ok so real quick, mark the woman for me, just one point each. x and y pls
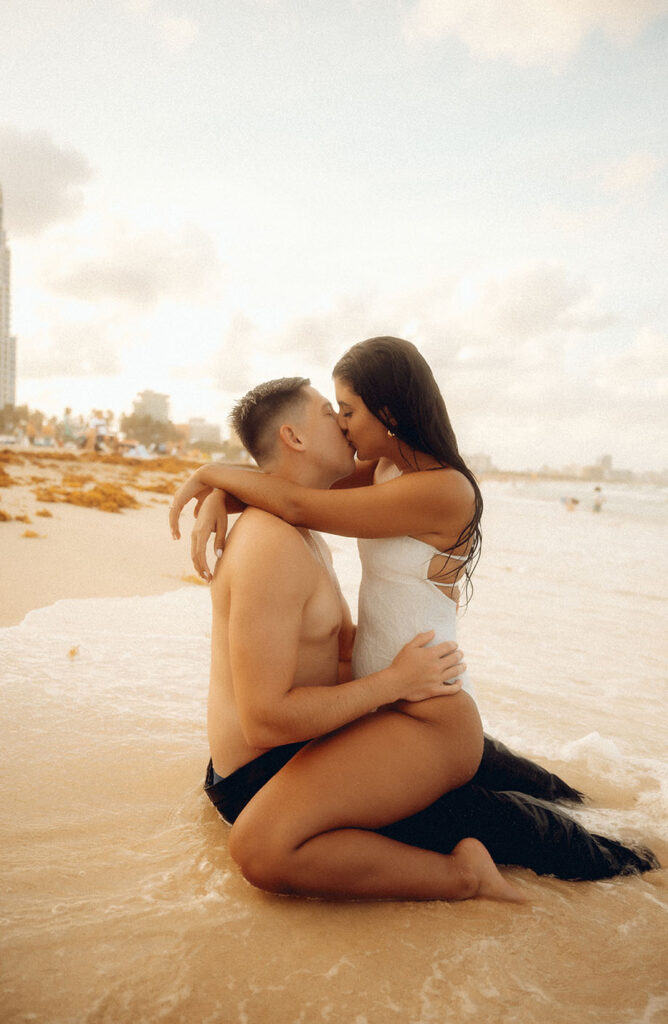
(308, 829)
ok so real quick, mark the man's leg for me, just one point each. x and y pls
(521, 830)
(501, 769)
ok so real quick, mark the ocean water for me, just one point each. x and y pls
(120, 902)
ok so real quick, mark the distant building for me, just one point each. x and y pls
(479, 463)
(601, 470)
(605, 462)
(200, 430)
(7, 342)
(150, 403)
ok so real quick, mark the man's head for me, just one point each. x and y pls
(259, 414)
(289, 427)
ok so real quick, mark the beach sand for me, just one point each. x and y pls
(85, 551)
(120, 901)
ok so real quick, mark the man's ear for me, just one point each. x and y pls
(291, 437)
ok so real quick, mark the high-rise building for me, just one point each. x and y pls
(153, 404)
(7, 342)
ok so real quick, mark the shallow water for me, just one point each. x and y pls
(121, 902)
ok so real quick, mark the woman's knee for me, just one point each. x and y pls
(262, 852)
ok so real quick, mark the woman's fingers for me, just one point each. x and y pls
(454, 671)
(422, 639)
(198, 539)
(445, 648)
(174, 514)
(192, 488)
(219, 543)
(451, 666)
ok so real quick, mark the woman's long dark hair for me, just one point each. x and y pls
(396, 384)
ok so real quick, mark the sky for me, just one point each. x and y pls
(203, 194)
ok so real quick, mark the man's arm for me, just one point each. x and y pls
(272, 576)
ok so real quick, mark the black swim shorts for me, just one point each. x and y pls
(230, 795)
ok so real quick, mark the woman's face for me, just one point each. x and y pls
(362, 429)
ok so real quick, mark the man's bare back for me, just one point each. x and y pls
(304, 561)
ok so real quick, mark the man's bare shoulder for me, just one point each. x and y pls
(254, 523)
(259, 538)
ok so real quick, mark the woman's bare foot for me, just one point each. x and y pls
(473, 856)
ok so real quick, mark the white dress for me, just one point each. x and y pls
(397, 601)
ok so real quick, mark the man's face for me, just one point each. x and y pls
(325, 440)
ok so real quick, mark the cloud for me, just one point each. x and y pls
(308, 345)
(504, 347)
(494, 326)
(41, 181)
(537, 301)
(529, 34)
(522, 357)
(320, 338)
(232, 367)
(517, 318)
(632, 173)
(639, 372)
(175, 33)
(178, 34)
(142, 269)
(137, 6)
(73, 350)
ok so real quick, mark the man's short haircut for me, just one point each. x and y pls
(255, 417)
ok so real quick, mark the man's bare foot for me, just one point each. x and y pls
(473, 856)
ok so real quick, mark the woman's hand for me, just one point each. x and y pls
(194, 487)
(429, 671)
(210, 517)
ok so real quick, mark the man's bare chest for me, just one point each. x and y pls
(323, 614)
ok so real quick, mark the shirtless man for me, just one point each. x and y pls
(280, 674)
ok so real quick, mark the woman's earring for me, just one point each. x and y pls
(390, 434)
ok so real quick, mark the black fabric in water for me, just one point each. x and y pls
(500, 768)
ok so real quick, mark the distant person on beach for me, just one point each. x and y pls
(280, 626)
(599, 498)
(96, 432)
(66, 427)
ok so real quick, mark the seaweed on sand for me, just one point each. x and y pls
(106, 496)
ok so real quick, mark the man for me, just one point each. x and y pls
(281, 638)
